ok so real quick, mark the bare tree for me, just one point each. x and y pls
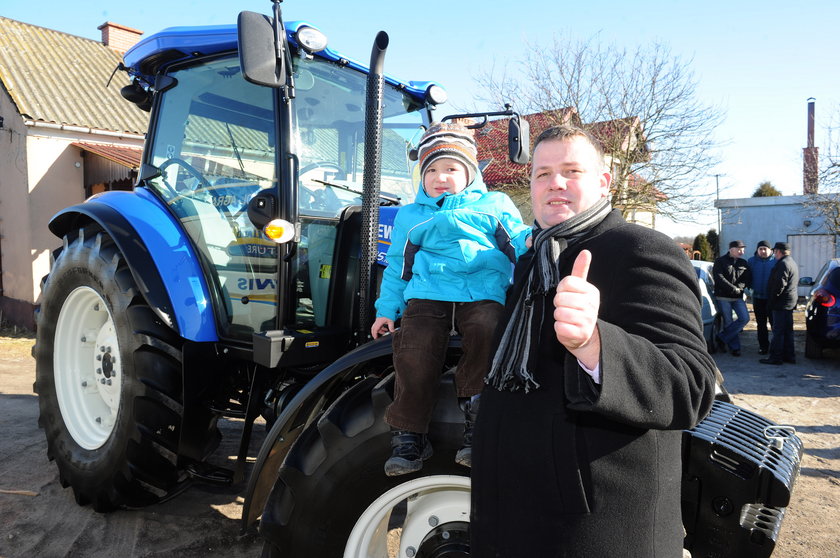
(826, 203)
(663, 150)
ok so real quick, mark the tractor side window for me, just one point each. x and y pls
(328, 136)
(214, 146)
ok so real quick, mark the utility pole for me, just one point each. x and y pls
(717, 200)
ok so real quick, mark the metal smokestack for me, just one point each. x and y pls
(810, 156)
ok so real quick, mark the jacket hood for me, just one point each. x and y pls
(474, 190)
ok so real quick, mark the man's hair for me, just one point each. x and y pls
(565, 132)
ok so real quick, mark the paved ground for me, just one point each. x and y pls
(39, 518)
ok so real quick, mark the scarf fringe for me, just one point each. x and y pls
(512, 366)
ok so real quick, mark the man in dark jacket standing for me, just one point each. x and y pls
(761, 264)
(781, 301)
(601, 364)
(732, 276)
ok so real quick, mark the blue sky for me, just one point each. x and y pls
(758, 60)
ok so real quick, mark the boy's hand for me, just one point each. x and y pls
(381, 326)
(576, 307)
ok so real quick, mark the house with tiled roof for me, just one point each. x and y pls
(66, 133)
(623, 141)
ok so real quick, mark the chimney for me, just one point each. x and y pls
(810, 156)
(119, 37)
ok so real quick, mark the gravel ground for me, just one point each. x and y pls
(40, 518)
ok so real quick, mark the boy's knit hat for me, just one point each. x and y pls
(447, 139)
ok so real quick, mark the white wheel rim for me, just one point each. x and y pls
(87, 368)
(432, 501)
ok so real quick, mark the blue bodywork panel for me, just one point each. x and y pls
(386, 225)
(167, 244)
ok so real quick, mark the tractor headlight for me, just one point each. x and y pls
(436, 95)
(310, 39)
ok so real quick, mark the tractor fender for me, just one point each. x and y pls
(158, 252)
(317, 394)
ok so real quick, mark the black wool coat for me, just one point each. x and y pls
(783, 286)
(573, 469)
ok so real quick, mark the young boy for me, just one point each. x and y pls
(450, 263)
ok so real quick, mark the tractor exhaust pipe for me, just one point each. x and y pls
(371, 181)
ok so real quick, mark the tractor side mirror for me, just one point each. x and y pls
(519, 139)
(260, 55)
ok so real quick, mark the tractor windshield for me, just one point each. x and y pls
(215, 147)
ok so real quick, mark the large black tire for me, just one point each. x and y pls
(335, 472)
(813, 349)
(108, 377)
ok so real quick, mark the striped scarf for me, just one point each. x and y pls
(512, 364)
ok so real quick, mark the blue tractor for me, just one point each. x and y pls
(237, 280)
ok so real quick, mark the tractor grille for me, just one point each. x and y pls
(738, 474)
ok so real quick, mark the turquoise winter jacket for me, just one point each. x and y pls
(454, 248)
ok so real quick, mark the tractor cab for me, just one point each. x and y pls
(228, 156)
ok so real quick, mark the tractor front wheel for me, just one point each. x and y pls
(108, 377)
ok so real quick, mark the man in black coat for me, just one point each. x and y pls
(732, 277)
(601, 364)
(782, 296)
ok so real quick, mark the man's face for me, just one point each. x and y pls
(778, 254)
(567, 178)
(736, 251)
(763, 252)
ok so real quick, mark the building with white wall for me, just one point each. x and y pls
(779, 219)
(65, 132)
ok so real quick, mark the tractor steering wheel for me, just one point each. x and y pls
(191, 170)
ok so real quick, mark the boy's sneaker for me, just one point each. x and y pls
(464, 455)
(410, 449)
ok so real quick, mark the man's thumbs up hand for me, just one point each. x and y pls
(576, 307)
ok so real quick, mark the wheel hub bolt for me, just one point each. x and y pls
(445, 535)
(99, 371)
(102, 381)
(96, 307)
(84, 384)
(99, 420)
(84, 339)
(410, 552)
(433, 521)
(98, 357)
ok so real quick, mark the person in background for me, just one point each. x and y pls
(732, 277)
(450, 264)
(600, 366)
(781, 301)
(761, 264)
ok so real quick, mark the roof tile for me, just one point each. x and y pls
(60, 78)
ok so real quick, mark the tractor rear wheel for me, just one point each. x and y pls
(332, 497)
(108, 377)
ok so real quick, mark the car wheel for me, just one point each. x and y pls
(813, 349)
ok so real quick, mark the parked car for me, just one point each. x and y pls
(711, 322)
(822, 313)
